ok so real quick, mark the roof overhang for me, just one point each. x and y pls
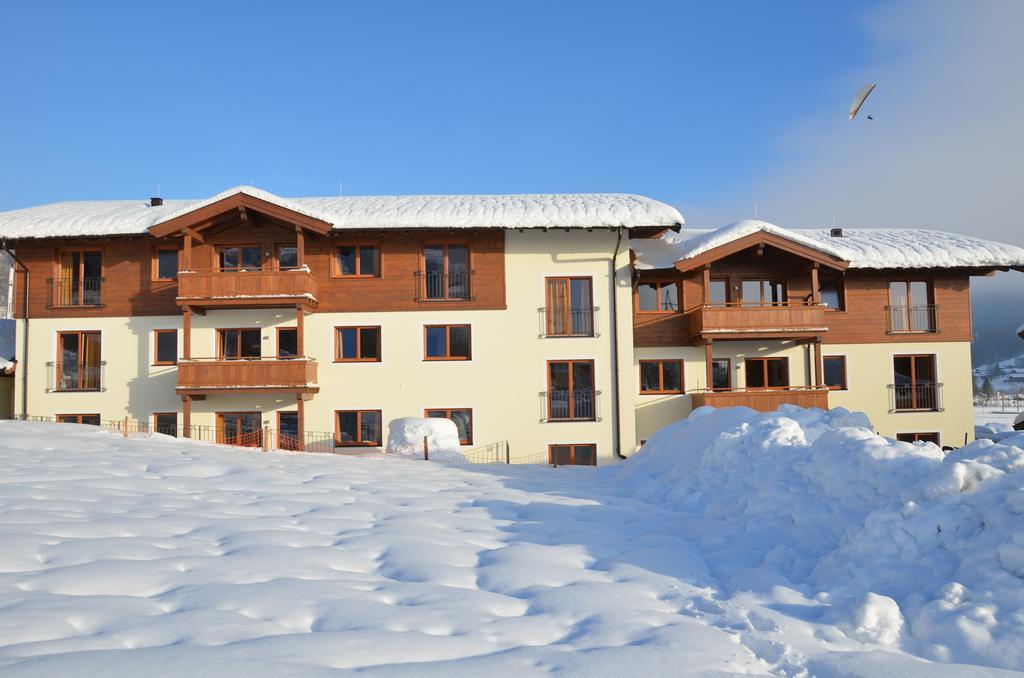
(762, 239)
(203, 217)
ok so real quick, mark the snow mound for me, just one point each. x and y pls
(405, 438)
(877, 530)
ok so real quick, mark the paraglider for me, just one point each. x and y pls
(858, 100)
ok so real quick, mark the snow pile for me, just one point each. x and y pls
(876, 530)
(6, 364)
(405, 438)
(861, 247)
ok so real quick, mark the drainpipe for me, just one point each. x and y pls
(23, 363)
(615, 351)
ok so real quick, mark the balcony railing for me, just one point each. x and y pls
(782, 319)
(762, 400)
(245, 288)
(576, 405)
(75, 292)
(444, 285)
(75, 376)
(215, 375)
(906, 319)
(568, 322)
(915, 397)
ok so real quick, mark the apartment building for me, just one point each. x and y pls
(570, 326)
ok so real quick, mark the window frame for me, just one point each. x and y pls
(728, 372)
(239, 246)
(422, 293)
(277, 255)
(448, 343)
(297, 445)
(917, 437)
(338, 344)
(59, 361)
(728, 292)
(571, 362)
(60, 418)
(220, 344)
(661, 376)
(448, 411)
(277, 352)
(336, 264)
(782, 282)
(572, 453)
(359, 425)
(221, 429)
(81, 251)
(156, 422)
(765, 360)
(155, 271)
(660, 284)
(548, 315)
(156, 347)
(840, 285)
(914, 383)
(845, 386)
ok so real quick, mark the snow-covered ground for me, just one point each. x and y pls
(735, 543)
(992, 414)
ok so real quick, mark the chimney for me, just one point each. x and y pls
(156, 202)
(836, 233)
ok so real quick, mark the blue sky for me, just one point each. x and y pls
(686, 102)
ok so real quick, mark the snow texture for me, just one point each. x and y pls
(126, 217)
(6, 364)
(796, 543)
(405, 437)
(861, 247)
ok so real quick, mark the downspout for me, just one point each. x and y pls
(23, 363)
(615, 351)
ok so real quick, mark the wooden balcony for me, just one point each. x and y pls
(763, 400)
(736, 321)
(247, 289)
(200, 376)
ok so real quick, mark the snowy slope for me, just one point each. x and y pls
(162, 557)
(584, 210)
(1009, 378)
(862, 247)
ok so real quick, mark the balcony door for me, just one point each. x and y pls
(239, 344)
(244, 429)
(914, 382)
(571, 392)
(235, 258)
(763, 293)
(767, 373)
(78, 278)
(78, 361)
(288, 430)
(446, 271)
(570, 311)
(910, 308)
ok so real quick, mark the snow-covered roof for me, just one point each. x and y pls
(583, 210)
(861, 247)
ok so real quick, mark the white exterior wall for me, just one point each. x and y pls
(501, 383)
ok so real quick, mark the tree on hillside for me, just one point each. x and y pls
(987, 389)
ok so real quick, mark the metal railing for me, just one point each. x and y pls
(66, 292)
(75, 376)
(575, 405)
(912, 319)
(920, 397)
(444, 285)
(568, 322)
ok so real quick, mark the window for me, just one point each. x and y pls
(165, 264)
(287, 342)
(763, 293)
(357, 261)
(165, 347)
(718, 292)
(572, 455)
(240, 258)
(446, 272)
(166, 423)
(241, 344)
(767, 372)
(288, 431)
(78, 280)
(910, 308)
(721, 374)
(571, 393)
(833, 296)
(661, 376)
(91, 419)
(244, 429)
(78, 365)
(287, 257)
(357, 344)
(658, 297)
(835, 372)
(447, 342)
(570, 307)
(463, 419)
(358, 427)
(914, 383)
(932, 437)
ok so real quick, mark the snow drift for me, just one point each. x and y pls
(900, 543)
(406, 434)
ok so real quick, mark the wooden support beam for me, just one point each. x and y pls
(186, 256)
(707, 285)
(815, 286)
(300, 246)
(300, 321)
(819, 365)
(186, 333)
(186, 416)
(300, 409)
(708, 364)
